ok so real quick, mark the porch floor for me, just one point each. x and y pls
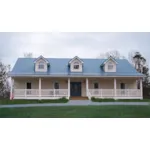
(78, 98)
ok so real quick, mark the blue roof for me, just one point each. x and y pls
(60, 67)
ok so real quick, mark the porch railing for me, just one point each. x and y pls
(128, 93)
(110, 93)
(43, 93)
(53, 93)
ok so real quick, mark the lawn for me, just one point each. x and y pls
(77, 112)
(27, 101)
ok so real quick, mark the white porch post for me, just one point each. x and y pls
(68, 88)
(39, 88)
(141, 88)
(115, 94)
(87, 87)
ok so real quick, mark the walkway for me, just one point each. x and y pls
(74, 103)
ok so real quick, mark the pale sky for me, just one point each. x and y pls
(64, 45)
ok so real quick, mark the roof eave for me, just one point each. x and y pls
(74, 75)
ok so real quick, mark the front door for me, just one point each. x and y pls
(75, 88)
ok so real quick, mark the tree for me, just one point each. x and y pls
(4, 84)
(131, 54)
(28, 55)
(140, 64)
(114, 53)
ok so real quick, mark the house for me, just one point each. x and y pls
(52, 78)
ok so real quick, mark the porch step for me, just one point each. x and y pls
(78, 98)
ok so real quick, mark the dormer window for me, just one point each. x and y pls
(41, 65)
(76, 65)
(110, 66)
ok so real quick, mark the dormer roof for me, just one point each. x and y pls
(76, 57)
(41, 57)
(110, 58)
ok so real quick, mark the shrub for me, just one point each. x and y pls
(93, 98)
(63, 98)
(102, 99)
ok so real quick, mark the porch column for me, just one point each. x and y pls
(68, 88)
(115, 88)
(39, 88)
(87, 87)
(141, 88)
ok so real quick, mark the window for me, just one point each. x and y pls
(28, 87)
(110, 66)
(96, 85)
(41, 65)
(76, 65)
(56, 85)
(122, 86)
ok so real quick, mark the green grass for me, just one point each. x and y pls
(77, 112)
(118, 100)
(5, 102)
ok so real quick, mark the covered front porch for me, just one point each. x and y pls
(54, 88)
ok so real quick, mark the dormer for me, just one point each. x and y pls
(41, 64)
(109, 65)
(76, 64)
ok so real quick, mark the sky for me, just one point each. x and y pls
(68, 45)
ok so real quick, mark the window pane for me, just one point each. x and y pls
(122, 85)
(76, 66)
(96, 86)
(41, 65)
(110, 67)
(28, 85)
(56, 85)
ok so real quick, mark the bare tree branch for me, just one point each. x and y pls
(114, 53)
(28, 55)
(4, 86)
